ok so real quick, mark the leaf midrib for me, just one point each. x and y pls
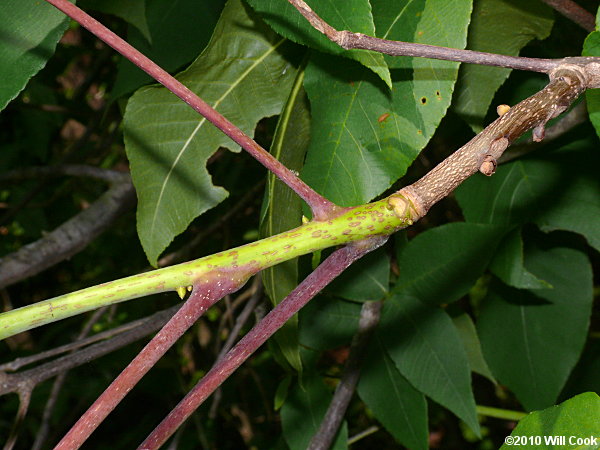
(232, 86)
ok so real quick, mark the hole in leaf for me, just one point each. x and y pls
(423, 100)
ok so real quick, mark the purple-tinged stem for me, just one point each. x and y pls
(321, 207)
(199, 301)
(335, 264)
(349, 40)
(574, 12)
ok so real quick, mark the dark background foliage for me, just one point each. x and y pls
(505, 257)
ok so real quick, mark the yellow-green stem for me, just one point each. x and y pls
(498, 413)
(373, 219)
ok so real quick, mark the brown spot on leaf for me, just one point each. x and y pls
(383, 117)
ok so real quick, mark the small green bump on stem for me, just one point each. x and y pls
(183, 290)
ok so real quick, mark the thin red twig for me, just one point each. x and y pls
(574, 12)
(198, 302)
(335, 264)
(321, 207)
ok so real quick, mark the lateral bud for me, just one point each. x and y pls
(488, 166)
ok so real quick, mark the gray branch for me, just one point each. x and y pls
(75, 234)
(28, 379)
(369, 319)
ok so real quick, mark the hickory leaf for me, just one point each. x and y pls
(364, 137)
(428, 352)
(352, 15)
(575, 420)
(303, 412)
(463, 251)
(132, 11)
(245, 76)
(186, 25)
(557, 190)
(591, 47)
(365, 280)
(532, 339)
(328, 323)
(508, 264)
(395, 403)
(29, 32)
(498, 26)
(468, 335)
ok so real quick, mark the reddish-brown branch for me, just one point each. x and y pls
(317, 280)
(321, 207)
(199, 301)
(574, 12)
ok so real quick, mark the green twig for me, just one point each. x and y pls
(505, 414)
(374, 219)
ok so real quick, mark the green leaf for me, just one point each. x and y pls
(177, 35)
(468, 335)
(509, 267)
(575, 419)
(591, 47)
(327, 323)
(168, 143)
(400, 408)
(29, 32)
(428, 352)
(352, 15)
(397, 21)
(532, 339)
(560, 191)
(462, 252)
(498, 26)
(445, 24)
(585, 375)
(281, 393)
(365, 280)
(360, 143)
(131, 11)
(282, 209)
(303, 411)
(365, 137)
(577, 207)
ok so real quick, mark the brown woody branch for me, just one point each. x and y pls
(575, 117)
(568, 80)
(320, 206)
(484, 150)
(569, 77)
